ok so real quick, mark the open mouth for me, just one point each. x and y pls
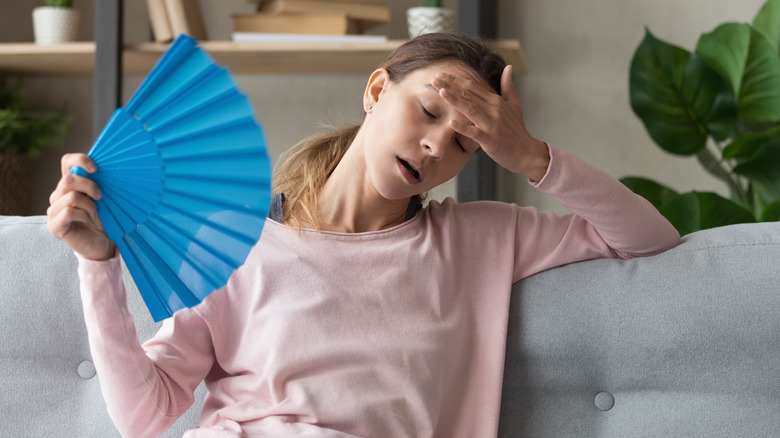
(414, 173)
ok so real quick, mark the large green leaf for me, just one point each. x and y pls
(680, 99)
(771, 213)
(746, 146)
(750, 63)
(767, 21)
(763, 171)
(656, 193)
(726, 50)
(694, 211)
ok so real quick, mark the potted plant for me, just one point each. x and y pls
(721, 104)
(24, 132)
(55, 22)
(430, 18)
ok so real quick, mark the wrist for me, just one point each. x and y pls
(536, 161)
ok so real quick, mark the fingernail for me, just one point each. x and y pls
(454, 124)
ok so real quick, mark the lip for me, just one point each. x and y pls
(409, 174)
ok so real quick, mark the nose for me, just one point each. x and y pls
(436, 141)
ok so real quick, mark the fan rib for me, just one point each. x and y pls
(217, 100)
(246, 240)
(184, 90)
(209, 130)
(181, 49)
(152, 263)
(213, 281)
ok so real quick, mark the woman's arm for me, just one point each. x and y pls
(608, 219)
(144, 396)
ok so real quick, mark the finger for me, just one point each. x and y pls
(75, 202)
(466, 88)
(508, 90)
(74, 183)
(463, 103)
(81, 160)
(470, 131)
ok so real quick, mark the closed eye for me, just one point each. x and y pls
(457, 142)
(462, 149)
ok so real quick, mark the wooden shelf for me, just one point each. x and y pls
(78, 58)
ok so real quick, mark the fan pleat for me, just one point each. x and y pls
(168, 285)
(215, 82)
(230, 113)
(203, 272)
(240, 198)
(238, 226)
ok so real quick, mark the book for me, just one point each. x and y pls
(328, 24)
(158, 16)
(185, 17)
(266, 37)
(373, 12)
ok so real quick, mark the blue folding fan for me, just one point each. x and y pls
(185, 178)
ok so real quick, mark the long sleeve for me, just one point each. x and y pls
(144, 396)
(607, 220)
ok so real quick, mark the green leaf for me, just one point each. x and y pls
(771, 213)
(726, 50)
(767, 21)
(654, 192)
(763, 171)
(680, 99)
(744, 146)
(750, 63)
(694, 211)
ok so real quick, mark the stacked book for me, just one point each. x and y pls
(312, 20)
(169, 18)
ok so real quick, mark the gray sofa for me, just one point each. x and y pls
(683, 344)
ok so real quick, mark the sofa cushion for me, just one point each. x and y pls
(49, 383)
(686, 343)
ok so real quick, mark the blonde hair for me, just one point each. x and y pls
(307, 165)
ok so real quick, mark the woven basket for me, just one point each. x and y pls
(15, 182)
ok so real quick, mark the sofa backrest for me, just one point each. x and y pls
(683, 344)
(686, 343)
(49, 386)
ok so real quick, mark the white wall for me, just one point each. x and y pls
(575, 94)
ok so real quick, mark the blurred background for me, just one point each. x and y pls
(574, 94)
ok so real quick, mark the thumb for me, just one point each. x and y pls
(508, 90)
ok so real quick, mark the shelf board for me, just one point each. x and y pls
(78, 58)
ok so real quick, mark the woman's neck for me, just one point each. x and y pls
(349, 202)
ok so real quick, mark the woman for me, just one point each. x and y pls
(359, 312)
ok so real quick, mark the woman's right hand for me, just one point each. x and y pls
(72, 213)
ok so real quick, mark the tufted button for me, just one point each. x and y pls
(86, 370)
(604, 401)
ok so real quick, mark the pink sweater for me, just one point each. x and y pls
(394, 333)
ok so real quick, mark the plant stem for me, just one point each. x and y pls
(714, 166)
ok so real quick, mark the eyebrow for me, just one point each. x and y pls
(432, 88)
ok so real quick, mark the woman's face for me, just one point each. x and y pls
(411, 147)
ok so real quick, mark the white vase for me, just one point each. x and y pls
(425, 19)
(54, 25)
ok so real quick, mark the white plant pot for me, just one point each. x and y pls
(422, 20)
(53, 25)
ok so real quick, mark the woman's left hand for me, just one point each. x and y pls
(496, 121)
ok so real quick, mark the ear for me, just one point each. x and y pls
(377, 84)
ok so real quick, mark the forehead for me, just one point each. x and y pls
(454, 69)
